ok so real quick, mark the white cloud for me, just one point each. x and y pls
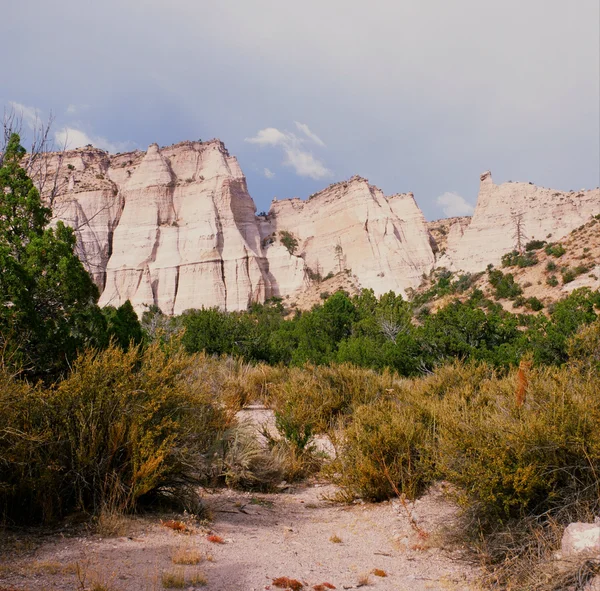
(453, 204)
(269, 173)
(305, 164)
(309, 134)
(71, 137)
(29, 115)
(270, 136)
(296, 154)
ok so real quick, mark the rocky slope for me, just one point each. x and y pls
(175, 227)
(513, 212)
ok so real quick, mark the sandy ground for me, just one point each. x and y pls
(298, 533)
(266, 536)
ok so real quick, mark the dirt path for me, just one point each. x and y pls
(296, 534)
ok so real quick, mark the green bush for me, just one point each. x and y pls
(552, 281)
(515, 259)
(555, 250)
(535, 244)
(505, 285)
(551, 266)
(534, 304)
(511, 462)
(288, 240)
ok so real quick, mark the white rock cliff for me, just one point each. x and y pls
(505, 210)
(176, 228)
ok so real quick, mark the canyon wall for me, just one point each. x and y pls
(176, 228)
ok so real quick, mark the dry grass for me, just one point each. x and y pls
(364, 580)
(186, 555)
(335, 539)
(379, 572)
(323, 587)
(173, 579)
(215, 539)
(197, 579)
(112, 524)
(51, 567)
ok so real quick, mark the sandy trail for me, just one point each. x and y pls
(298, 533)
(266, 536)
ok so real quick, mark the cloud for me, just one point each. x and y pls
(296, 155)
(71, 137)
(269, 173)
(309, 134)
(270, 137)
(453, 204)
(30, 115)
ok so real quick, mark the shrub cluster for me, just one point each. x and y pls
(516, 259)
(122, 429)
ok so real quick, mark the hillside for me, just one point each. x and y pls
(548, 272)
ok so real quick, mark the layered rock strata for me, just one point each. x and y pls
(174, 228)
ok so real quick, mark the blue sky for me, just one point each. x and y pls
(417, 96)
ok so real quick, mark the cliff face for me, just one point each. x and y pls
(382, 241)
(511, 212)
(175, 227)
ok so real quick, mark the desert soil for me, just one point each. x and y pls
(297, 533)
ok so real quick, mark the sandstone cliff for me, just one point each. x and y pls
(175, 227)
(511, 212)
(382, 241)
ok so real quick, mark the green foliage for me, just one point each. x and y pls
(551, 266)
(552, 281)
(123, 325)
(120, 430)
(555, 250)
(505, 285)
(385, 451)
(568, 275)
(445, 286)
(584, 347)
(510, 462)
(515, 259)
(534, 304)
(47, 299)
(288, 240)
(535, 245)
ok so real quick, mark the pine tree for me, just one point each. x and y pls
(47, 299)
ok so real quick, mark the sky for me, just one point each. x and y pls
(415, 95)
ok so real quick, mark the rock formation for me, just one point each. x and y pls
(175, 227)
(382, 241)
(510, 213)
